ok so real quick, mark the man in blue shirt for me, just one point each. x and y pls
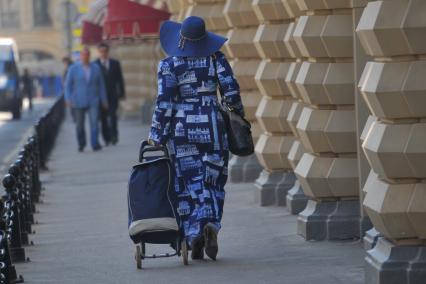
(84, 91)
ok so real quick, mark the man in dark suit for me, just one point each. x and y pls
(114, 83)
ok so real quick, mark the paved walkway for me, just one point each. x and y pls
(82, 232)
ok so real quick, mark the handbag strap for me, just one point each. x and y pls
(222, 94)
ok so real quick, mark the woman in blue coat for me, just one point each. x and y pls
(187, 119)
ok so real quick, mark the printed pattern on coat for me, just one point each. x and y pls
(188, 121)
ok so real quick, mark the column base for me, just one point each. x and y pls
(296, 199)
(243, 169)
(272, 187)
(370, 238)
(330, 220)
(387, 263)
(281, 191)
(251, 169)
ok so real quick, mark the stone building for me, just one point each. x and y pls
(336, 95)
(37, 26)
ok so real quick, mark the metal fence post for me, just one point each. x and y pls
(7, 269)
(23, 189)
(12, 219)
(16, 171)
(35, 172)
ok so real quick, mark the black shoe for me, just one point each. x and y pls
(210, 240)
(197, 248)
(97, 148)
(114, 142)
(81, 149)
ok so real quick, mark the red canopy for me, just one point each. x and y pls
(130, 20)
(93, 22)
(91, 34)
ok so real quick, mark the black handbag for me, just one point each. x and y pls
(238, 129)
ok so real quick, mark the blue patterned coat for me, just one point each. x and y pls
(187, 119)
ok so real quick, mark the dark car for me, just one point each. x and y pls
(10, 96)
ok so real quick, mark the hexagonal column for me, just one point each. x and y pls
(394, 141)
(212, 12)
(178, 9)
(328, 170)
(277, 138)
(242, 22)
(296, 198)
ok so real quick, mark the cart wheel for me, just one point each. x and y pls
(184, 252)
(138, 257)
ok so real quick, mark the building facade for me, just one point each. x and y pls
(336, 94)
(38, 26)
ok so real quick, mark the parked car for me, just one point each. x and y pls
(10, 95)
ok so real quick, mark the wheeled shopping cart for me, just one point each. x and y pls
(152, 202)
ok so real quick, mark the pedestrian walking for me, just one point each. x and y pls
(84, 93)
(187, 118)
(28, 87)
(115, 89)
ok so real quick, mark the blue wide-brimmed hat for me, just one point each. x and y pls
(189, 38)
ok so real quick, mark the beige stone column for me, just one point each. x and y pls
(296, 200)
(274, 143)
(243, 23)
(394, 88)
(328, 171)
(178, 9)
(212, 11)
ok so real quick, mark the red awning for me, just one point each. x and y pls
(131, 20)
(91, 34)
(93, 21)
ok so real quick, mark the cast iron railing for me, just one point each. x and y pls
(22, 191)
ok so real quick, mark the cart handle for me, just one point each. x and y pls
(146, 147)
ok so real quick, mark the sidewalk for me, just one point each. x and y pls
(82, 232)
